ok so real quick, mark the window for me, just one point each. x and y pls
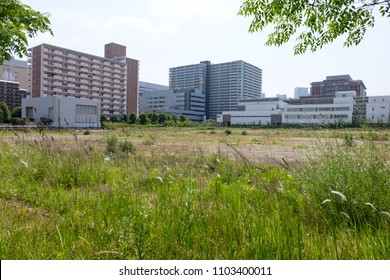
(86, 110)
(29, 112)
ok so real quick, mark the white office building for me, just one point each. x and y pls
(261, 111)
(378, 109)
(338, 109)
(187, 102)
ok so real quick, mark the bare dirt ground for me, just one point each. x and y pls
(259, 145)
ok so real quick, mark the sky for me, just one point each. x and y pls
(168, 33)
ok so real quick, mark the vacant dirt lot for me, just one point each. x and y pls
(274, 145)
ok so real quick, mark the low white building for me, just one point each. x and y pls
(378, 109)
(338, 109)
(60, 111)
(261, 111)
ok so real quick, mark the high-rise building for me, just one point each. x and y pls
(300, 91)
(145, 86)
(223, 84)
(11, 94)
(15, 70)
(338, 83)
(112, 79)
(187, 102)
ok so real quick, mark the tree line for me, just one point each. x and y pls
(7, 116)
(150, 118)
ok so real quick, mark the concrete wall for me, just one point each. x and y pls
(66, 112)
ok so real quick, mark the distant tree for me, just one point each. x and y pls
(124, 118)
(162, 118)
(17, 22)
(103, 118)
(16, 112)
(153, 118)
(174, 118)
(132, 118)
(6, 115)
(182, 118)
(319, 22)
(143, 119)
(114, 119)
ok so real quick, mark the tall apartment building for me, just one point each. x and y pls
(15, 70)
(11, 94)
(223, 84)
(112, 79)
(338, 83)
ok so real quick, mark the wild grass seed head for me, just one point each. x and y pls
(372, 206)
(326, 201)
(342, 196)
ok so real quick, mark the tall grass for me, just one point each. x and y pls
(84, 201)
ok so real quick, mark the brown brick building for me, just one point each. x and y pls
(332, 84)
(112, 79)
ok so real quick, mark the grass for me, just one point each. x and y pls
(108, 195)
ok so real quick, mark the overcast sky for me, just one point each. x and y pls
(169, 33)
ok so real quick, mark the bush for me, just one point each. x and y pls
(112, 142)
(244, 132)
(127, 147)
(228, 131)
(20, 121)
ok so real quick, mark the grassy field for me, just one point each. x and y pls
(195, 193)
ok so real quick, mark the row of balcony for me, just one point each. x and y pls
(60, 68)
(82, 57)
(84, 80)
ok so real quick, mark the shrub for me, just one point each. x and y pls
(228, 131)
(244, 132)
(112, 142)
(127, 147)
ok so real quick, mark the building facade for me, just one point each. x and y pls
(145, 86)
(378, 109)
(188, 102)
(113, 79)
(261, 111)
(301, 91)
(15, 70)
(334, 110)
(64, 112)
(332, 84)
(223, 84)
(11, 94)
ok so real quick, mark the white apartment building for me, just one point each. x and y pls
(61, 111)
(113, 79)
